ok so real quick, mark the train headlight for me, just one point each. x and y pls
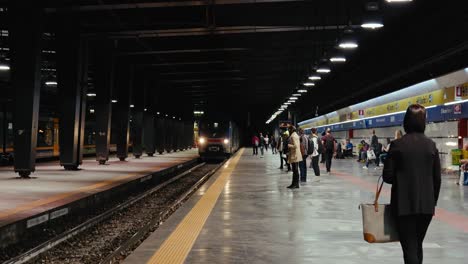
(201, 140)
(226, 141)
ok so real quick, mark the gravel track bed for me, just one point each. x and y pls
(100, 241)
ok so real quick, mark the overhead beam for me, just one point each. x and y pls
(203, 31)
(142, 5)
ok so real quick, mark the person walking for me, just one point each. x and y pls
(255, 142)
(267, 142)
(262, 144)
(294, 157)
(413, 168)
(304, 149)
(330, 149)
(315, 154)
(273, 145)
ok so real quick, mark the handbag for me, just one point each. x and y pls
(371, 155)
(378, 220)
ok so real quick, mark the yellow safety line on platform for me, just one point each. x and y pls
(178, 245)
(102, 184)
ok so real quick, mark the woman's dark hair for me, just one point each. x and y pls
(292, 129)
(415, 119)
(314, 130)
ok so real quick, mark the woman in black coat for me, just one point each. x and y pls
(413, 168)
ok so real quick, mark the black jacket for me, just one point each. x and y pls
(413, 168)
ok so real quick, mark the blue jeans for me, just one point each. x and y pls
(303, 168)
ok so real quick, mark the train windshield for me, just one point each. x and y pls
(214, 129)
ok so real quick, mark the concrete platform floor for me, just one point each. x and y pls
(258, 220)
(51, 186)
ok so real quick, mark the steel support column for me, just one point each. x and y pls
(137, 114)
(72, 82)
(103, 82)
(25, 20)
(123, 84)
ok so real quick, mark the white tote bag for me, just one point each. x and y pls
(371, 155)
(378, 221)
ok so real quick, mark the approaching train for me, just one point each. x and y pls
(217, 139)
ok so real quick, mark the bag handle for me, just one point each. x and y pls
(377, 193)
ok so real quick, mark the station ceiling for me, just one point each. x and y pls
(249, 56)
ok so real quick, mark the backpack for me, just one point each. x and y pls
(329, 144)
(320, 148)
(311, 146)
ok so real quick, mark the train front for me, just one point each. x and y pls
(214, 139)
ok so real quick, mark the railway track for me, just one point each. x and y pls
(111, 235)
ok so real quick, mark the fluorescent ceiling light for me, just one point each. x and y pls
(348, 45)
(372, 25)
(309, 84)
(50, 83)
(293, 98)
(456, 102)
(132, 106)
(323, 70)
(287, 103)
(91, 94)
(297, 94)
(302, 91)
(315, 77)
(398, 1)
(4, 67)
(338, 59)
(91, 111)
(114, 101)
(145, 109)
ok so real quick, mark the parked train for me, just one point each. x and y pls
(217, 139)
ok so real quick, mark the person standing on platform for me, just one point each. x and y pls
(315, 152)
(286, 150)
(294, 157)
(413, 168)
(262, 144)
(279, 146)
(330, 149)
(255, 142)
(267, 142)
(304, 149)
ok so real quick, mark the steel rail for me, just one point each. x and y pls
(31, 254)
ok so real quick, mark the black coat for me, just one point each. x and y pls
(413, 168)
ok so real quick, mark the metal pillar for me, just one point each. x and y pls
(103, 82)
(149, 134)
(123, 82)
(137, 116)
(72, 82)
(25, 20)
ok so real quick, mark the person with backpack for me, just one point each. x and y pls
(314, 150)
(330, 149)
(304, 144)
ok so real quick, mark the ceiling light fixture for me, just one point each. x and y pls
(297, 94)
(348, 41)
(302, 91)
(337, 59)
(51, 83)
(315, 77)
(372, 18)
(323, 70)
(293, 98)
(309, 84)
(91, 94)
(398, 1)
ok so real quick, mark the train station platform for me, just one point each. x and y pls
(54, 192)
(245, 214)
